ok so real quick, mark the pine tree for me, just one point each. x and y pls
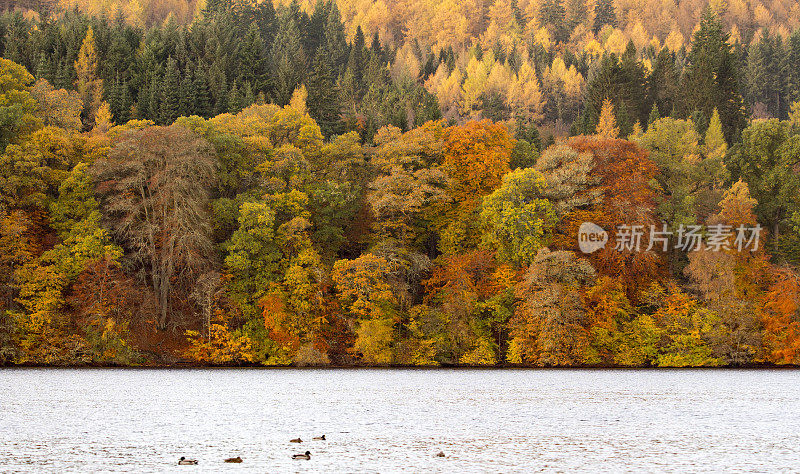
(604, 14)
(62, 79)
(44, 68)
(552, 13)
(654, 115)
(16, 39)
(607, 125)
(234, 100)
(315, 36)
(323, 101)
(216, 7)
(711, 78)
(117, 59)
(450, 59)
(763, 78)
(170, 93)
(220, 91)
(125, 113)
(624, 82)
(288, 58)
(633, 85)
(700, 122)
(154, 107)
(188, 96)
(376, 48)
(349, 93)
(792, 68)
(624, 120)
(429, 68)
(114, 97)
(335, 40)
(119, 106)
(778, 66)
(577, 13)
(143, 101)
(202, 103)
(355, 66)
(587, 123)
(664, 81)
(248, 97)
(357, 51)
(266, 20)
(530, 133)
(252, 57)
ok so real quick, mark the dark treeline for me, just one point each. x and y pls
(238, 54)
(234, 57)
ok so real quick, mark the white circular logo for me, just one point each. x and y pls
(591, 237)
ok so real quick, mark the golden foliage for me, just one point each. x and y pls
(607, 125)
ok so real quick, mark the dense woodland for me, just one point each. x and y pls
(396, 182)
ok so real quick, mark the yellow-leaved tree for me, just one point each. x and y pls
(607, 125)
(367, 294)
(524, 96)
(88, 82)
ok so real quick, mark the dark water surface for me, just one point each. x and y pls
(99, 420)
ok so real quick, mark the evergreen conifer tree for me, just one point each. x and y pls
(323, 100)
(188, 96)
(234, 99)
(288, 58)
(654, 115)
(711, 78)
(202, 102)
(170, 93)
(604, 14)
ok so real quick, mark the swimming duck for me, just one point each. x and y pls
(440, 455)
(296, 440)
(305, 456)
(236, 460)
(186, 462)
(319, 438)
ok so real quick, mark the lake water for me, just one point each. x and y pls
(398, 420)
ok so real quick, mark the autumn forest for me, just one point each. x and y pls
(399, 182)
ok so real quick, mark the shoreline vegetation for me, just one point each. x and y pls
(194, 366)
(235, 183)
(191, 365)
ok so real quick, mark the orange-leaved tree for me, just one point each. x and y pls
(780, 315)
(621, 173)
(476, 158)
